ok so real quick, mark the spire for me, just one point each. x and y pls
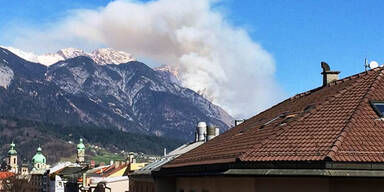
(81, 145)
(12, 158)
(39, 157)
(12, 150)
(80, 152)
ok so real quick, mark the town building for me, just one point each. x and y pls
(64, 175)
(143, 180)
(24, 169)
(12, 159)
(113, 177)
(39, 162)
(328, 139)
(80, 152)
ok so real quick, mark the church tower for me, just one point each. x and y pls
(80, 152)
(39, 161)
(12, 158)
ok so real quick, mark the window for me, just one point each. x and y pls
(378, 106)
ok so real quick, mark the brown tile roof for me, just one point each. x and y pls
(334, 122)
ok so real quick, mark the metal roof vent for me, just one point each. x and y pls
(201, 131)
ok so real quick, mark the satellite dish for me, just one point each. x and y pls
(373, 64)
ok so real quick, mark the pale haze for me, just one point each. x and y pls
(209, 54)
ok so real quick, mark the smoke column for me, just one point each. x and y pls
(210, 55)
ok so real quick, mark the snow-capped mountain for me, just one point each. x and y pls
(105, 56)
(101, 56)
(79, 91)
(167, 74)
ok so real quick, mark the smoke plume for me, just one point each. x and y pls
(210, 55)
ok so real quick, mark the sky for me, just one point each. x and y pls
(289, 40)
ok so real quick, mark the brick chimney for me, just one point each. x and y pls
(117, 164)
(328, 75)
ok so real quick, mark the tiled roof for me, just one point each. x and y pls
(4, 175)
(169, 157)
(106, 171)
(334, 122)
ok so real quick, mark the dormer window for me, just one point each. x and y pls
(378, 106)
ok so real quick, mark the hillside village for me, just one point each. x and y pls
(84, 174)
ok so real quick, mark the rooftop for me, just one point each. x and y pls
(335, 122)
(6, 174)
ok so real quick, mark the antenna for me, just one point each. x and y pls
(370, 65)
(373, 64)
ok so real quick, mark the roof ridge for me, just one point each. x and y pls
(343, 131)
(333, 83)
(306, 93)
(304, 115)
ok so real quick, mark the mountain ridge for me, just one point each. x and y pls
(101, 56)
(131, 97)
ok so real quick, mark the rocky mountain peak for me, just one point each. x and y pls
(101, 56)
(105, 56)
(68, 53)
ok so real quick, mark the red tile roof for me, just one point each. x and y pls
(6, 174)
(107, 171)
(334, 122)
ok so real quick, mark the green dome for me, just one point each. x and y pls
(12, 151)
(80, 146)
(39, 157)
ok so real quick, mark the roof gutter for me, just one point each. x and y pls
(327, 169)
(305, 172)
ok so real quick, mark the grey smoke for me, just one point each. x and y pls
(209, 54)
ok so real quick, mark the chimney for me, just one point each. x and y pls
(211, 129)
(217, 131)
(117, 164)
(328, 75)
(92, 164)
(131, 158)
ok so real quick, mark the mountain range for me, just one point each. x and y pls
(107, 89)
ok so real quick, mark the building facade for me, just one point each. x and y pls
(80, 152)
(39, 161)
(143, 179)
(12, 159)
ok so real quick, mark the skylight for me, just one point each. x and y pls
(378, 106)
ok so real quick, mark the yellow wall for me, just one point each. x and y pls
(118, 173)
(136, 166)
